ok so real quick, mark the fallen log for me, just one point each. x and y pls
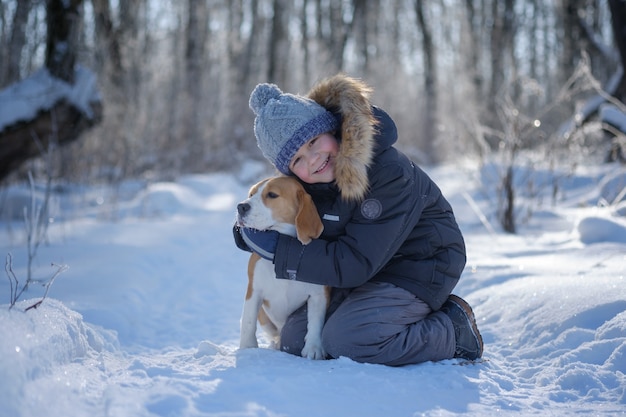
(42, 110)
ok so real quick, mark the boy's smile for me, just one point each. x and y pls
(324, 165)
(315, 160)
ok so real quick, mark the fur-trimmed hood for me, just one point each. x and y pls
(348, 98)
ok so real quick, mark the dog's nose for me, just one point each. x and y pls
(243, 208)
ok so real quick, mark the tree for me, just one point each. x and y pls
(429, 130)
(279, 44)
(197, 36)
(16, 42)
(618, 21)
(501, 47)
(62, 22)
(63, 122)
(176, 72)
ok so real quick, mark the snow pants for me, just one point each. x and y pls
(379, 323)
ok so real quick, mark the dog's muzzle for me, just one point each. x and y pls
(242, 210)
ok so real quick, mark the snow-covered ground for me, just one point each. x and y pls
(146, 320)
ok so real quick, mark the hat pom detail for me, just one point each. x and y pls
(262, 94)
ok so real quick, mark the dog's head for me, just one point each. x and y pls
(281, 204)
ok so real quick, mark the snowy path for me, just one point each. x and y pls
(145, 321)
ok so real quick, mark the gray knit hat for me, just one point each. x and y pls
(285, 122)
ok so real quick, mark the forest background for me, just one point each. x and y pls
(459, 77)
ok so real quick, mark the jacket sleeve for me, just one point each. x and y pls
(370, 241)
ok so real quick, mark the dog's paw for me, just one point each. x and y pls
(313, 351)
(274, 344)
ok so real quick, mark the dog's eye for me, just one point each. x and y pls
(272, 194)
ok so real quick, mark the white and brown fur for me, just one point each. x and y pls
(281, 204)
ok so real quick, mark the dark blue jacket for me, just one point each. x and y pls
(398, 229)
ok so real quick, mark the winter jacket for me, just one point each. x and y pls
(384, 218)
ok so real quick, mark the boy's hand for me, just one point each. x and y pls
(239, 239)
(262, 242)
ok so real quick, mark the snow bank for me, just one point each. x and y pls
(601, 229)
(41, 91)
(36, 344)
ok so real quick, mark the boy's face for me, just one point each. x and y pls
(315, 160)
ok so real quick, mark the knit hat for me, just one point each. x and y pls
(285, 122)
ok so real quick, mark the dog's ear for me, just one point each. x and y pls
(308, 223)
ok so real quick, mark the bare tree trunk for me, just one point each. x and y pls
(429, 125)
(618, 20)
(246, 60)
(231, 141)
(197, 34)
(279, 44)
(339, 31)
(304, 29)
(62, 19)
(361, 32)
(332, 34)
(116, 40)
(570, 37)
(109, 52)
(534, 18)
(496, 46)
(132, 47)
(507, 216)
(11, 62)
(501, 44)
(172, 151)
(364, 31)
(3, 41)
(474, 48)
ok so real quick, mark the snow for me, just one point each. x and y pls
(146, 320)
(599, 229)
(41, 91)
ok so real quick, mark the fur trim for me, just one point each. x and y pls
(350, 98)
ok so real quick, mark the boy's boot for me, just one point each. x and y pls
(469, 342)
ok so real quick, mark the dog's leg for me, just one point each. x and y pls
(316, 314)
(270, 328)
(248, 322)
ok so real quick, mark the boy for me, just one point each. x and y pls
(391, 248)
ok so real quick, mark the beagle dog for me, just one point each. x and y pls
(281, 204)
